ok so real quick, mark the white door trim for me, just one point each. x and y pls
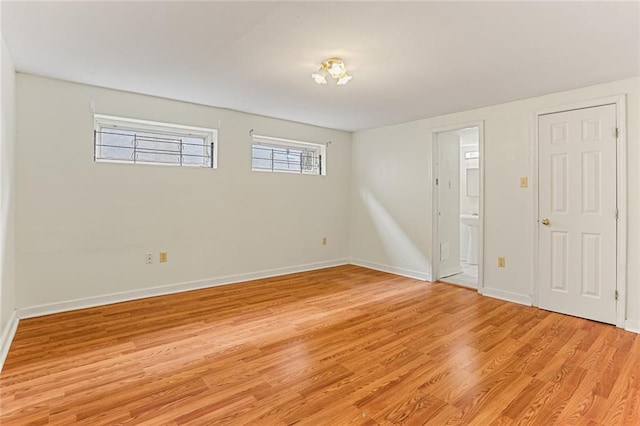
(621, 182)
(435, 250)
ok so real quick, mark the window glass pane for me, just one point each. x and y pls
(194, 151)
(157, 148)
(119, 144)
(286, 157)
(277, 158)
(261, 157)
(116, 144)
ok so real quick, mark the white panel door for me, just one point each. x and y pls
(577, 212)
(449, 203)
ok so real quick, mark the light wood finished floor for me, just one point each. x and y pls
(343, 345)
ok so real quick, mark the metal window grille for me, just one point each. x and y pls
(286, 159)
(134, 147)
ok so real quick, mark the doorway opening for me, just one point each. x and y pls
(457, 201)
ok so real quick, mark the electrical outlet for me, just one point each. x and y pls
(524, 182)
(501, 262)
(163, 256)
(149, 258)
(324, 241)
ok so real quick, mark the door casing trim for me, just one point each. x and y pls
(621, 182)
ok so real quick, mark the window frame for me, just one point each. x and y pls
(273, 142)
(102, 121)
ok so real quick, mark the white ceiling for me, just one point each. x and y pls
(408, 60)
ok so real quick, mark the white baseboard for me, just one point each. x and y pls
(522, 299)
(7, 336)
(419, 275)
(632, 325)
(107, 299)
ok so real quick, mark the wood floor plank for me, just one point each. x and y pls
(338, 346)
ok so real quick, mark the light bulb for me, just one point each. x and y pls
(319, 78)
(343, 80)
(336, 69)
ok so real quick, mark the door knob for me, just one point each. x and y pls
(545, 221)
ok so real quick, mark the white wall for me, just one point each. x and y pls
(391, 192)
(390, 227)
(7, 201)
(84, 227)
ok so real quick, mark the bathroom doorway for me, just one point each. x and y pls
(457, 201)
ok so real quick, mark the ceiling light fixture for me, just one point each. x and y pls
(333, 67)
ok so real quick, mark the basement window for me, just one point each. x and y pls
(131, 141)
(283, 155)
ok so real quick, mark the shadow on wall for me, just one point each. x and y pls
(401, 251)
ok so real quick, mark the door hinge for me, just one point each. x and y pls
(617, 132)
(436, 181)
(617, 214)
(616, 294)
